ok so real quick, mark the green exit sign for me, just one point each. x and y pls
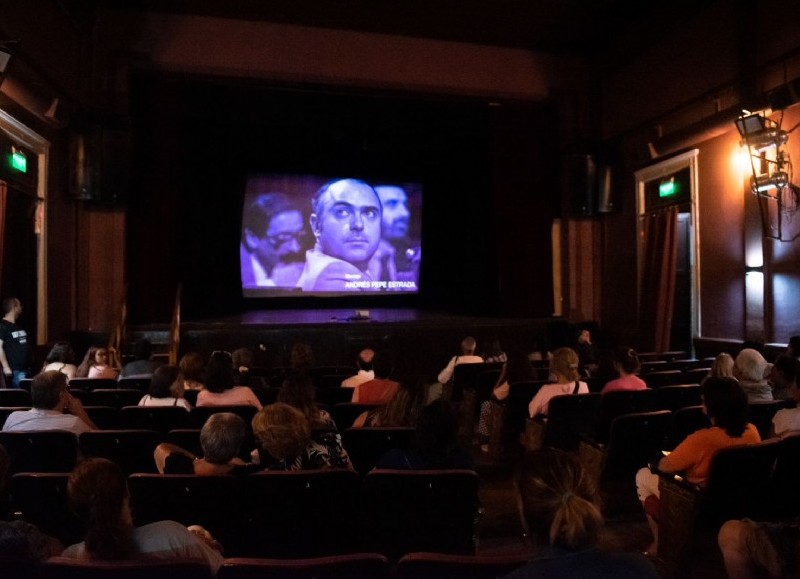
(19, 162)
(668, 188)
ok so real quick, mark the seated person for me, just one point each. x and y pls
(626, 363)
(564, 370)
(725, 403)
(751, 370)
(402, 410)
(242, 362)
(97, 364)
(722, 366)
(284, 436)
(298, 391)
(752, 550)
(98, 494)
(22, 541)
(560, 510)
(782, 374)
(165, 389)
(192, 368)
(364, 365)
(786, 421)
(437, 444)
(219, 387)
(467, 356)
(380, 389)
(143, 363)
(54, 408)
(61, 358)
(517, 368)
(221, 439)
(587, 353)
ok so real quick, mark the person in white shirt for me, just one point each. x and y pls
(365, 372)
(54, 408)
(467, 356)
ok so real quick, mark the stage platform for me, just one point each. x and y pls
(420, 341)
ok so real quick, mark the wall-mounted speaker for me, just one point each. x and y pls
(581, 180)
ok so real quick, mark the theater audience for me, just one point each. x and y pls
(494, 352)
(626, 363)
(165, 389)
(242, 376)
(97, 364)
(467, 356)
(793, 348)
(284, 435)
(98, 494)
(54, 408)
(564, 370)
(61, 358)
(587, 353)
(219, 386)
(301, 357)
(751, 370)
(725, 403)
(402, 410)
(782, 375)
(517, 368)
(221, 440)
(21, 541)
(380, 389)
(437, 444)
(560, 509)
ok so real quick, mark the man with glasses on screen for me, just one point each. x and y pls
(271, 246)
(346, 222)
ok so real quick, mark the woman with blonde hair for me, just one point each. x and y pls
(722, 367)
(560, 512)
(564, 370)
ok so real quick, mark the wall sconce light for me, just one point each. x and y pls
(771, 179)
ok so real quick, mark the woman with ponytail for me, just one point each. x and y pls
(560, 513)
(626, 363)
(98, 494)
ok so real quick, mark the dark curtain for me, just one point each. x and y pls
(658, 278)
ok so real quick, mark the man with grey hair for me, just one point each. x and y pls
(346, 222)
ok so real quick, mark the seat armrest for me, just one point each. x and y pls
(680, 503)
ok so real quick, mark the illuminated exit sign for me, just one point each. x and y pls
(18, 161)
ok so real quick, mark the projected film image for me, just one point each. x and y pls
(311, 235)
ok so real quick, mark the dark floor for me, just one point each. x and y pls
(500, 530)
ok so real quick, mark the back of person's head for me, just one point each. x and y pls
(518, 367)
(437, 427)
(558, 500)
(794, 346)
(493, 347)
(221, 437)
(97, 492)
(22, 541)
(162, 381)
(468, 346)
(192, 367)
(726, 404)
(61, 352)
(219, 372)
(242, 359)
(627, 359)
(8, 304)
(787, 367)
(142, 349)
(298, 391)
(405, 406)
(722, 366)
(364, 360)
(749, 365)
(46, 389)
(382, 365)
(282, 430)
(302, 356)
(565, 364)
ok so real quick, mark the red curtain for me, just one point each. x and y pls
(658, 278)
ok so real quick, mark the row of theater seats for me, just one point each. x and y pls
(355, 565)
(286, 514)
(132, 449)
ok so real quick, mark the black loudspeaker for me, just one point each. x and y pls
(581, 177)
(99, 165)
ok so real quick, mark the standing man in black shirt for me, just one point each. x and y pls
(15, 351)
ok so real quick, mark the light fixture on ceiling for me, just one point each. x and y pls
(771, 174)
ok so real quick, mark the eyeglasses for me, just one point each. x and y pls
(280, 238)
